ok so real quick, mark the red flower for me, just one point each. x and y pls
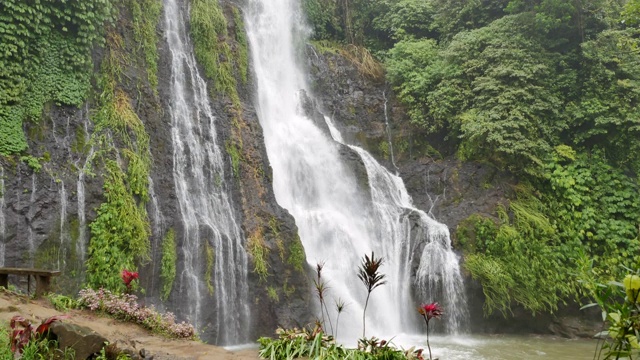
(430, 311)
(128, 277)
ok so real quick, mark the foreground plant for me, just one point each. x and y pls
(371, 278)
(23, 332)
(315, 344)
(125, 307)
(321, 289)
(340, 305)
(621, 315)
(428, 312)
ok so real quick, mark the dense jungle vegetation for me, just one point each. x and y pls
(545, 89)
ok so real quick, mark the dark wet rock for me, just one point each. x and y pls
(82, 340)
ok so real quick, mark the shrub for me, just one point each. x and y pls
(125, 307)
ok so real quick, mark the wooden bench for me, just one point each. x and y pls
(43, 278)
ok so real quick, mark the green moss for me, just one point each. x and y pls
(235, 153)
(74, 234)
(272, 293)
(296, 254)
(146, 15)
(288, 289)
(242, 48)
(259, 252)
(59, 252)
(327, 46)
(79, 145)
(274, 226)
(168, 263)
(209, 34)
(383, 147)
(208, 273)
(48, 255)
(472, 229)
(32, 161)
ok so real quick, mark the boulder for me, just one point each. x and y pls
(84, 341)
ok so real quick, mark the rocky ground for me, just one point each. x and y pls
(126, 335)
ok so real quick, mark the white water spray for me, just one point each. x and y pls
(339, 219)
(207, 215)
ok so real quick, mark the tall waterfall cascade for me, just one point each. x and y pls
(208, 223)
(339, 219)
(83, 239)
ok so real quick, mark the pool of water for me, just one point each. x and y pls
(501, 347)
(483, 347)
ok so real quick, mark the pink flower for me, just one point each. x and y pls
(430, 311)
(128, 277)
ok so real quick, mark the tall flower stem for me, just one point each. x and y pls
(428, 346)
(428, 312)
(364, 313)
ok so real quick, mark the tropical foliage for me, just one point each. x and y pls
(619, 302)
(45, 56)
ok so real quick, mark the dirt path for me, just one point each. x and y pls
(124, 333)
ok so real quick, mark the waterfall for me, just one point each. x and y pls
(64, 234)
(339, 219)
(82, 215)
(388, 130)
(157, 229)
(2, 217)
(438, 276)
(82, 240)
(207, 217)
(31, 215)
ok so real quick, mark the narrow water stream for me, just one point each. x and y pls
(211, 237)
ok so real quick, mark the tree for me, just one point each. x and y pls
(608, 113)
(494, 87)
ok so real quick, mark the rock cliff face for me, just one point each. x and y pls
(46, 208)
(368, 114)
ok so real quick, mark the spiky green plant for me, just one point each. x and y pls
(371, 278)
(340, 305)
(321, 288)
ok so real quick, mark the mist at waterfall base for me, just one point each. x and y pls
(339, 216)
